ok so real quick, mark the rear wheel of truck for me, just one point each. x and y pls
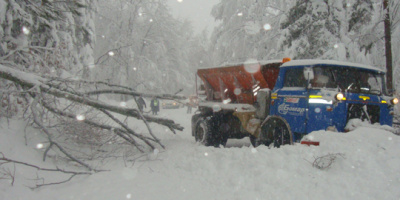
(204, 133)
(274, 131)
(207, 132)
(195, 120)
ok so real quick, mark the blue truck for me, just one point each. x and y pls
(278, 102)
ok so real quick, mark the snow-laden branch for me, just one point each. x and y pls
(30, 81)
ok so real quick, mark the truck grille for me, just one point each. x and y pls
(364, 112)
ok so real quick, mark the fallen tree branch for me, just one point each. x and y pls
(73, 173)
(136, 94)
(120, 132)
(30, 81)
(128, 129)
(44, 129)
(46, 169)
(326, 161)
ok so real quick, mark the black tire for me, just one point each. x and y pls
(253, 141)
(207, 132)
(195, 120)
(204, 132)
(274, 131)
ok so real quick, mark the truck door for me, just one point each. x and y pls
(291, 98)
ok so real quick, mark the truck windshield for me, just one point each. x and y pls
(349, 79)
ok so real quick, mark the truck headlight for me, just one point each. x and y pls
(339, 96)
(394, 101)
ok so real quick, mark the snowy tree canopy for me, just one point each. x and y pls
(150, 49)
(248, 29)
(48, 37)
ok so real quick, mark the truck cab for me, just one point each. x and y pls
(325, 95)
(278, 102)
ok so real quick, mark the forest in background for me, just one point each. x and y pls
(139, 44)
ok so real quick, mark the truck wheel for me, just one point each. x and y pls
(195, 120)
(253, 141)
(274, 130)
(204, 132)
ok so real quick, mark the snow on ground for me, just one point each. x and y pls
(366, 166)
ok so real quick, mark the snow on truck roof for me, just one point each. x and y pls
(329, 62)
(250, 62)
(305, 62)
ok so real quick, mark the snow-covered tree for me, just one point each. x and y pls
(248, 30)
(395, 27)
(142, 46)
(47, 37)
(313, 29)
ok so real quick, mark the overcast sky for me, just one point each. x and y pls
(197, 11)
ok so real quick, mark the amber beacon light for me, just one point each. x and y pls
(286, 60)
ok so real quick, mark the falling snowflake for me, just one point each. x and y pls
(205, 154)
(25, 30)
(267, 27)
(336, 46)
(237, 91)
(134, 69)
(252, 66)
(103, 36)
(80, 117)
(150, 20)
(128, 196)
(156, 151)
(111, 53)
(180, 1)
(39, 146)
(240, 14)
(216, 108)
(226, 101)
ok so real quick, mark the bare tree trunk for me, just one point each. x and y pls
(388, 46)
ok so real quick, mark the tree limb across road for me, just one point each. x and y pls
(55, 99)
(29, 81)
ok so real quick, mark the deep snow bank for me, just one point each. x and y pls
(367, 168)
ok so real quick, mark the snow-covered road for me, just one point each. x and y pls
(366, 166)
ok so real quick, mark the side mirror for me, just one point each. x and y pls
(308, 73)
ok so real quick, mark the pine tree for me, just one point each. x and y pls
(311, 30)
(248, 30)
(149, 47)
(46, 37)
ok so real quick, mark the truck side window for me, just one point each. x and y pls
(294, 78)
(322, 78)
